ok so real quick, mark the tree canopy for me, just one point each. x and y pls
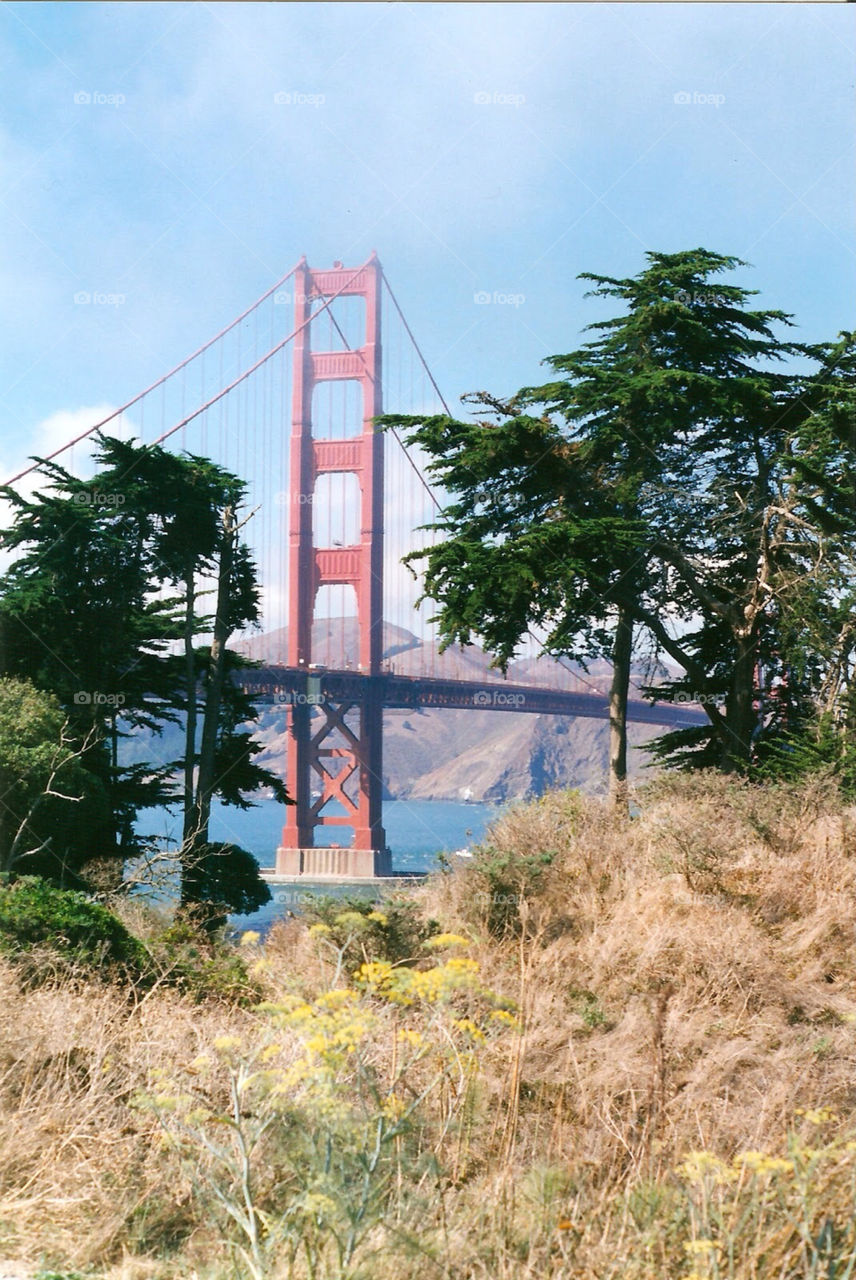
(672, 482)
(101, 611)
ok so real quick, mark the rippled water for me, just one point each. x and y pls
(417, 831)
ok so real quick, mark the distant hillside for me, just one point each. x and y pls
(444, 754)
(335, 643)
(441, 753)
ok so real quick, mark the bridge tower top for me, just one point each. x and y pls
(356, 452)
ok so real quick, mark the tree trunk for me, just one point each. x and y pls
(190, 697)
(7, 835)
(739, 710)
(621, 651)
(194, 851)
(216, 669)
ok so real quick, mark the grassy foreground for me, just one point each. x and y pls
(603, 1049)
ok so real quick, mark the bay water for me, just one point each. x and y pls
(417, 832)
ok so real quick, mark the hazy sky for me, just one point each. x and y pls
(182, 156)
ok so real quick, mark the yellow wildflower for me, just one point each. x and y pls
(699, 1246)
(351, 919)
(441, 940)
(200, 1115)
(823, 1115)
(375, 972)
(760, 1163)
(505, 1019)
(393, 1107)
(316, 1204)
(250, 938)
(227, 1044)
(467, 1024)
(335, 999)
(701, 1165)
(752, 1159)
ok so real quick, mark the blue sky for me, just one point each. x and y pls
(481, 149)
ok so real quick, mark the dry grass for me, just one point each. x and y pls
(702, 982)
(685, 982)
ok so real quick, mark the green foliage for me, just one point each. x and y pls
(506, 880)
(230, 880)
(589, 1008)
(41, 778)
(822, 746)
(83, 618)
(107, 576)
(202, 966)
(301, 1142)
(59, 1275)
(362, 930)
(46, 930)
(672, 472)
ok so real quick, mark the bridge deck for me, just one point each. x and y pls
(290, 686)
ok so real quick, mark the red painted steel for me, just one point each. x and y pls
(322, 744)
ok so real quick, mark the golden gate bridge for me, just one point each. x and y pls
(285, 396)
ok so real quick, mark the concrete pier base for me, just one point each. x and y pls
(349, 864)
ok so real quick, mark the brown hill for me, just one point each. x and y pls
(444, 754)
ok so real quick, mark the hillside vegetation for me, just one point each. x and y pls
(604, 1048)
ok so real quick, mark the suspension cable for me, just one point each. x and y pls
(394, 431)
(117, 412)
(264, 359)
(417, 347)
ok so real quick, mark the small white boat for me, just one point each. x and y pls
(461, 853)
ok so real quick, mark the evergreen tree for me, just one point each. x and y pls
(655, 487)
(107, 586)
(41, 777)
(193, 506)
(79, 619)
(533, 538)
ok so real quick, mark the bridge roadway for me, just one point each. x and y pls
(291, 686)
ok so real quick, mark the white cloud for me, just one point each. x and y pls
(57, 430)
(50, 434)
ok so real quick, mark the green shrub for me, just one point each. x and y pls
(363, 930)
(502, 880)
(49, 931)
(589, 1008)
(229, 880)
(58, 1275)
(203, 966)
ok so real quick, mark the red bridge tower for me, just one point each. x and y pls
(339, 743)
